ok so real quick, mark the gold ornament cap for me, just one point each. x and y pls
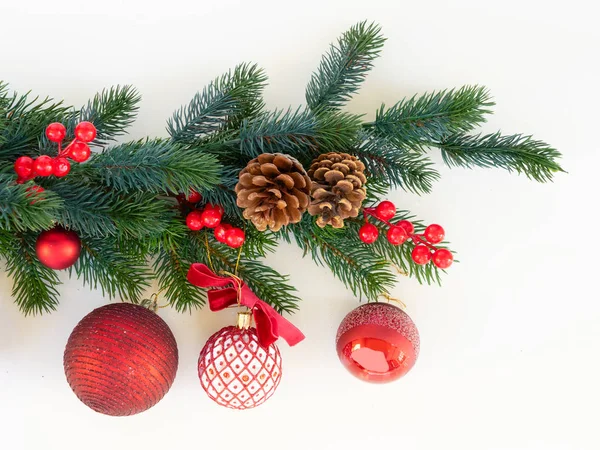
(244, 320)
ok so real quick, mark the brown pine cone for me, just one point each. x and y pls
(338, 188)
(274, 191)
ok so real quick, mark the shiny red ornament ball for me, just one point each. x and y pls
(221, 232)
(56, 132)
(43, 166)
(85, 131)
(386, 210)
(396, 235)
(368, 233)
(442, 258)
(24, 167)
(58, 248)
(211, 216)
(235, 237)
(193, 196)
(121, 359)
(62, 167)
(194, 221)
(421, 254)
(407, 225)
(79, 152)
(378, 342)
(434, 233)
(236, 371)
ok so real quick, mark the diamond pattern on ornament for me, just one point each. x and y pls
(236, 371)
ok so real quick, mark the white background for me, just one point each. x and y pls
(509, 344)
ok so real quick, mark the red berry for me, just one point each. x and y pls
(62, 167)
(443, 258)
(194, 221)
(24, 166)
(434, 233)
(85, 131)
(56, 132)
(34, 191)
(235, 237)
(368, 233)
(43, 166)
(407, 225)
(421, 254)
(193, 196)
(221, 231)
(79, 152)
(386, 210)
(397, 235)
(211, 216)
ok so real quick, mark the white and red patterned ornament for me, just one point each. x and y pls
(236, 371)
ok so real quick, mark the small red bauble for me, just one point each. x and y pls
(43, 166)
(434, 233)
(58, 248)
(211, 216)
(442, 258)
(194, 221)
(193, 196)
(221, 231)
(407, 225)
(386, 210)
(121, 359)
(377, 342)
(34, 191)
(396, 235)
(235, 237)
(56, 132)
(24, 167)
(61, 167)
(236, 371)
(85, 131)
(421, 254)
(368, 233)
(79, 152)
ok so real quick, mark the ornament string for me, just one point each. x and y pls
(389, 298)
(227, 291)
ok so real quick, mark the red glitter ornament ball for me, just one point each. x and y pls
(236, 371)
(121, 359)
(58, 248)
(378, 342)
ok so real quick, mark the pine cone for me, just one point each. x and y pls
(274, 189)
(337, 188)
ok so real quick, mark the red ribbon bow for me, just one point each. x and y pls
(269, 324)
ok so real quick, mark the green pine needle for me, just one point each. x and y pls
(344, 68)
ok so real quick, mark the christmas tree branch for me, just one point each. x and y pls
(34, 285)
(229, 98)
(518, 153)
(344, 67)
(153, 166)
(22, 210)
(416, 121)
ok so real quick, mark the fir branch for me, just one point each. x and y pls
(227, 99)
(519, 153)
(98, 212)
(344, 67)
(22, 210)
(418, 120)
(153, 166)
(111, 111)
(396, 166)
(118, 273)
(34, 285)
(364, 272)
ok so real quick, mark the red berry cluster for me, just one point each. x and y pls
(43, 166)
(404, 230)
(210, 217)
